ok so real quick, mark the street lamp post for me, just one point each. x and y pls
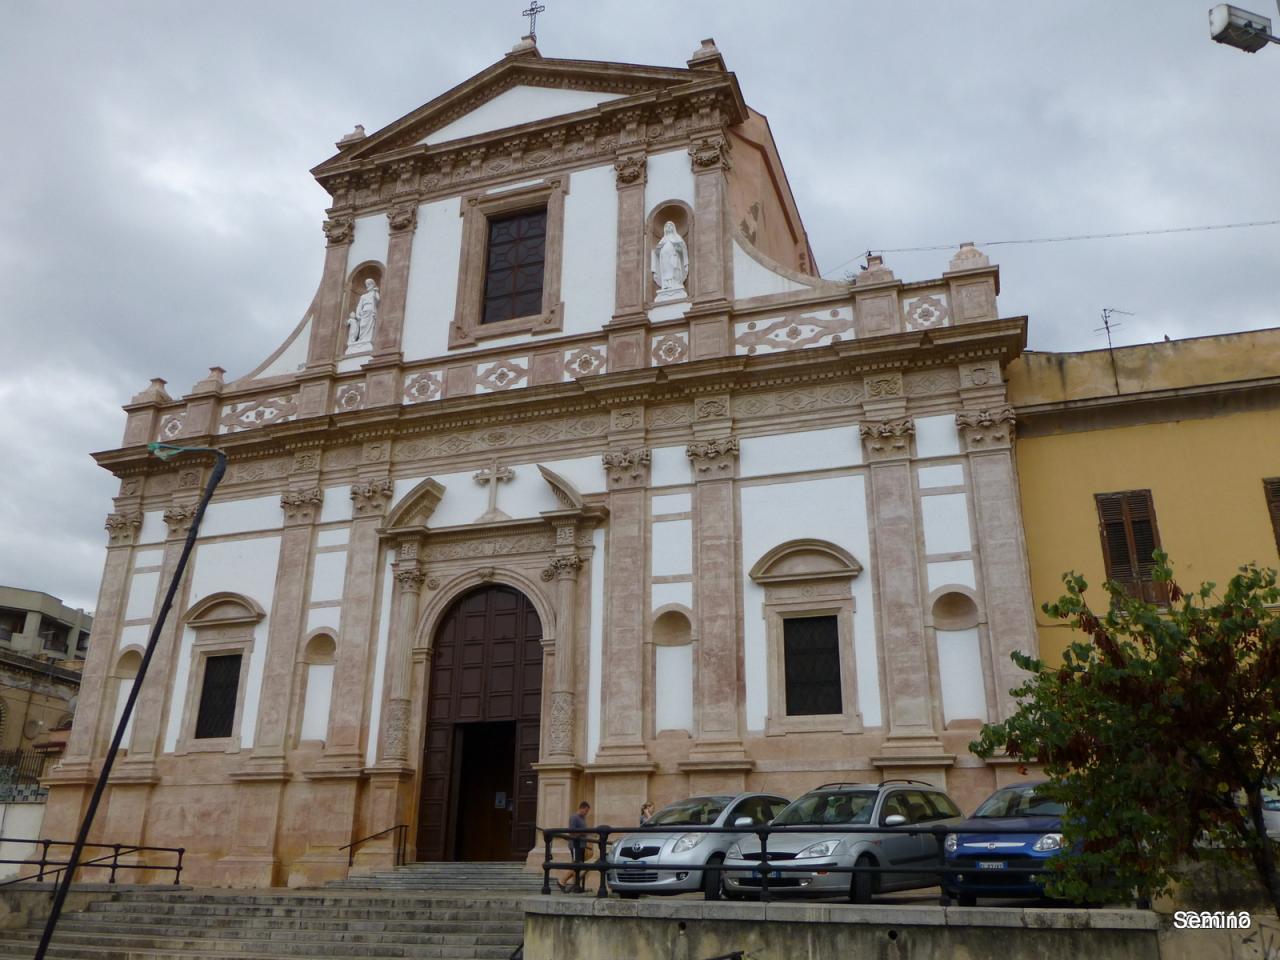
(164, 451)
(1240, 28)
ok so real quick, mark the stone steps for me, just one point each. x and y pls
(426, 911)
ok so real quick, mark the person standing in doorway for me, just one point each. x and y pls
(578, 847)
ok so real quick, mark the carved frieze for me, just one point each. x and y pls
(980, 374)
(301, 506)
(627, 467)
(122, 528)
(560, 727)
(795, 330)
(421, 387)
(987, 429)
(882, 386)
(924, 383)
(887, 439)
(493, 438)
(666, 348)
(350, 396)
(179, 517)
(799, 400)
(711, 408)
(395, 729)
(171, 426)
(369, 498)
(247, 414)
(250, 471)
(306, 461)
(713, 457)
(493, 546)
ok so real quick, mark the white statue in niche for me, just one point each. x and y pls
(363, 319)
(669, 264)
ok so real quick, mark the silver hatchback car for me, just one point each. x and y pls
(663, 840)
(894, 803)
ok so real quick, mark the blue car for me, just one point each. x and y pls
(1027, 833)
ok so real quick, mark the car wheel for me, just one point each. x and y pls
(712, 887)
(967, 900)
(863, 885)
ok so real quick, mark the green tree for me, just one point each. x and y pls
(1159, 733)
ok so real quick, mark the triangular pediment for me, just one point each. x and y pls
(517, 90)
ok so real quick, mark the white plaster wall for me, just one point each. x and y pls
(142, 596)
(960, 670)
(951, 475)
(372, 234)
(136, 635)
(294, 356)
(526, 495)
(337, 504)
(181, 680)
(804, 450)
(122, 694)
(380, 664)
(432, 294)
(663, 593)
(937, 436)
(148, 558)
(834, 509)
(585, 473)
(668, 467)
(595, 644)
(516, 106)
(946, 523)
(587, 276)
(944, 572)
(324, 618)
(671, 503)
(315, 709)
(668, 177)
(673, 696)
(333, 538)
(242, 516)
(672, 548)
(327, 576)
(153, 529)
(19, 820)
(751, 278)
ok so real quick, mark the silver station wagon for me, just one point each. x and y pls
(892, 804)
(682, 852)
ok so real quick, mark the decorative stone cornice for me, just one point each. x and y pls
(179, 518)
(709, 153)
(122, 528)
(301, 506)
(563, 568)
(985, 429)
(339, 229)
(887, 439)
(369, 498)
(627, 467)
(402, 217)
(631, 170)
(713, 456)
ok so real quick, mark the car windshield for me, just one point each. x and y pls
(1018, 802)
(815, 809)
(692, 812)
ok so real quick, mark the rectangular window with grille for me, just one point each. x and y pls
(218, 695)
(1272, 489)
(811, 653)
(515, 265)
(1127, 526)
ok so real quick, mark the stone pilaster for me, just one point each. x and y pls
(409, 576)
(339, 230)
(382, 372)
(988, 436)
(561, 733)
(631, 169)
(711, 255)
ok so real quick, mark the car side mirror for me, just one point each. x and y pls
(742, 822)
(895, 820)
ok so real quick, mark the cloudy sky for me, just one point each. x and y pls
(157, 217)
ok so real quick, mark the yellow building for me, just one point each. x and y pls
(1173, 444)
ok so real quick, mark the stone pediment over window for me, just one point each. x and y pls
(416, 508)
(805, 560)
(224, 610)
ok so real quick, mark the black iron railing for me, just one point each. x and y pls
(49, 868)
(400, 830)
(20, 766)
(763, 868)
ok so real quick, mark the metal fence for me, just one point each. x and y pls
(20, 776)
(46, 860)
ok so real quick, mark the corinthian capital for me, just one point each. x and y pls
(369, 498)
(713, 456)
(984, 429)
(301, 506)
(122, 528)
(179, 518)
(563, 568)
(627, 467)
(338, 230)
(887, 439)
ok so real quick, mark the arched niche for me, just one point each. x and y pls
(961, 672)
(320, 649)
(351, 293)
(673, 668)
(954, 609)
(681, 214)
(123, 675)
(317, 670)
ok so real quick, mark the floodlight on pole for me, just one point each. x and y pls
(1240, 28)
(165, 451)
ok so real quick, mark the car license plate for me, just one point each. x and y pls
(773, 874)
(992, 864)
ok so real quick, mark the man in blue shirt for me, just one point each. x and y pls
(578, 847)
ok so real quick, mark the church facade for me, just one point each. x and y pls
(575, 481)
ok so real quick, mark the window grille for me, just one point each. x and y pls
(218, 696)
(515, 265)
(811, 650)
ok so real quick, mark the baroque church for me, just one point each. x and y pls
(575, 481)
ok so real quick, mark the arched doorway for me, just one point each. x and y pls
(484, 699)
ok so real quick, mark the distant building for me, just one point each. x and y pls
(1167, 445)
(42, 649)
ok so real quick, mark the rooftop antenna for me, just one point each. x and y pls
(535, 8)
(1107, 326)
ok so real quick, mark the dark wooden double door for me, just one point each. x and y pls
(479, 788)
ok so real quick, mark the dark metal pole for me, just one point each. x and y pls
(64, 884)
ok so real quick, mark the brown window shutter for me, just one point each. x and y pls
(1127, 524)
(1116, 553)
(1272, 488)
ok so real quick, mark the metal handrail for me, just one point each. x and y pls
(50, 869)
(401, 830)
(602, 865)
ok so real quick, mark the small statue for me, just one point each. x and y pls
(363, 319)
(669, 264)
